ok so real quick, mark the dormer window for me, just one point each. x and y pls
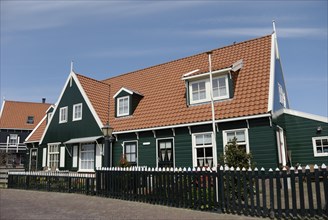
(123, 106)
(199, 91)
(126, 101)
(30, 120)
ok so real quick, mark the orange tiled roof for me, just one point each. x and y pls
(164, 101)
(14, 114)
(98, 94)
(37, 133)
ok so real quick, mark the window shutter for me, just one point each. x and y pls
(62, 157)
(74, 156)
(98, 156)
(44, 157)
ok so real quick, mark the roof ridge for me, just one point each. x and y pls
(26, 102)
(172, 61)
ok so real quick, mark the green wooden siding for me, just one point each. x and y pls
(262, 142)
(299, 132)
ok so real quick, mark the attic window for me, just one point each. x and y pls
(30, 120)
(123, 106)
(199, 91)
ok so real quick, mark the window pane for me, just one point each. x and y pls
(208, 152)
(240, 135)
(201, 86)
(168, 145)
(230, 136)
(318, 142)
(200, 152)
(325, 142)
(162, 145)
(222, 82)
(199, 139)
(223, 91)
(207, 139)
(202, 95)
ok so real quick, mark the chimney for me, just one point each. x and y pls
(43, 100)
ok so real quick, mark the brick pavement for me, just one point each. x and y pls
(23, 204)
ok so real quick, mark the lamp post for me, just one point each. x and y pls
(107, 131)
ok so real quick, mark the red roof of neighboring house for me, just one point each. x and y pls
(164, 101)
(14, 114)
(37, 133)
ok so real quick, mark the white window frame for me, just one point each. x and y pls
(137, 150)
(207, 90)
(53, 153)
(79, 116)
(119, 114)
(80, 158)
(13, 137)
(194, 149)
(315, 152)
(173, 149)
(225, 138)
(63, 112)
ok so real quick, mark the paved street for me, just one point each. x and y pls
(22, 204)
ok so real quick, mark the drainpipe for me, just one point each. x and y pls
(212, 108)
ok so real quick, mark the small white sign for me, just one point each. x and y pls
(146, 143)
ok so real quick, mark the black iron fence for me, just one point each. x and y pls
(293, 193)
(53, 181)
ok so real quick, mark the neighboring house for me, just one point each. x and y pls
(33, 140)
(163, 115)
(17, 120)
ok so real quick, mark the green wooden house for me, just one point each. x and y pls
(182, 113)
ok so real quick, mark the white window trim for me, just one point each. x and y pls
(207, 90)
(15, 137)
(94, 158)
(60, 114)
(173, 149)
(74, 111)
(137, 149)
(48, 154)
(225, 138)
(118, 106)
(315, 153)
(194, 147)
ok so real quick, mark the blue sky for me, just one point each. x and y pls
(107, 38)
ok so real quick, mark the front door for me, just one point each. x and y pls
(165, 153)
(33, 159)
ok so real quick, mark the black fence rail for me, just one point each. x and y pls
(283, 193)
(53, 181)
(293, 193)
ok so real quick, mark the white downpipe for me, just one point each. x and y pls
(213, 111)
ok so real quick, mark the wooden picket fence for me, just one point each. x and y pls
(293, 193)
(276, 193)
(63, 181)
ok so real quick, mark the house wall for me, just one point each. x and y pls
(299, 132)
(62, 132)
(262, 143)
